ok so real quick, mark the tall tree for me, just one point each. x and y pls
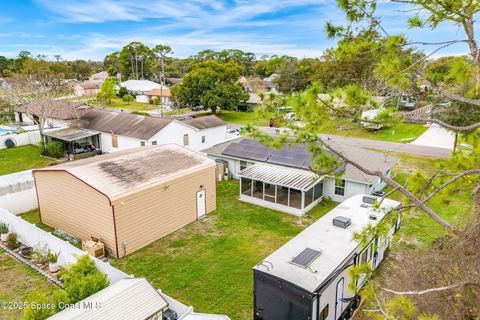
(211, 84)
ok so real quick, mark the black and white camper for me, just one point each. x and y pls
(308, 278)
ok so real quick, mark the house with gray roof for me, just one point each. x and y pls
(120, 130)
(282, 179)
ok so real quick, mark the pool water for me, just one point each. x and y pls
(6, 131)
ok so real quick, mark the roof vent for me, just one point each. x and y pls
(369, 200)
(342, 222)
(306, 257)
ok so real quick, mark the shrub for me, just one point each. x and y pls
(42, 146)
(3, 228)
(12, 241)
(37, 298)
(122, 92)
(141, 113)
(55, 149)
(83, 279)
(128, 98)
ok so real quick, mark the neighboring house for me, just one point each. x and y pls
(101, 76)
(121, 131)
(58, 113)
(252, 102)
(310, 277)
(163, 94)
(127, 299)
(281, 178)
(173, 81)
(85, 88)
(127, 199)
(140, 88)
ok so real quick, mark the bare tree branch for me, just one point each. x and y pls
(452, 286)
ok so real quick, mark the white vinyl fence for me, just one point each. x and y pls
(35, 237)
(17, 192)
(21, 139)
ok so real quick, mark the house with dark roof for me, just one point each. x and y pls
(282, 179)
(121, 131)
(57, 113)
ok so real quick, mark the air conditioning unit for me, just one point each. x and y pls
(94, 248)
(342, 222)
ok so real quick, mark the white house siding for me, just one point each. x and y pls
(351, 189)
(172, 133)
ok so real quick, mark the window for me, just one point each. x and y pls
(339, 187)
(243, 164)
(154, 142)
(185, 139)
(364, 257)
(114, 141)
(387, 173)
(142, 143)
(324, 313)
(203, 139)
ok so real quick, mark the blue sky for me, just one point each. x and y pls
(90, 29)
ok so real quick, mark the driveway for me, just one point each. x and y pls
(436, 136)
(415, 149)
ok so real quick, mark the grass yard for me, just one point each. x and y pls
(17, 282)
(238, 117)
(22, 158)
(118, 103)
(33, 217)
(402, 132)
(208, 263)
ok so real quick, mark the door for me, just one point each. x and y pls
(201, 204)
(339, 296)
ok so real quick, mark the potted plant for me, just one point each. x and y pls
(3, 232)
(53, 265)
(40, 256)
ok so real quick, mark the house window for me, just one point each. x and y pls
(185, 139)
(142, 143)
(154, 142)
(339, 187)
(114, 141)
(203, 139)
(364, 257)
(243, 164)
(324, 313)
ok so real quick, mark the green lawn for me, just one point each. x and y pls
(118, 103)
(208, 263)
(238, 117)
(402, 132)
(33, 217)
(17, 282)
(22, 158)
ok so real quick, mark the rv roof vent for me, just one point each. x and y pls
(306, 257)
(373, 216)
(369, 200)
(342, 222)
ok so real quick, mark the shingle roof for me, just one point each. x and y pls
(205, 122)
(91, 84)
(126, 299)
(70, 133)
(299, 157)
(124, 124)
(55, 109)
(120, 173)
(164, 92)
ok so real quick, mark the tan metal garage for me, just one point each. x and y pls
(130, 198)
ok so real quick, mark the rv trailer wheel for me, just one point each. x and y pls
(356, 301)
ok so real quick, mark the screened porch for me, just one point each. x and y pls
(281, 188)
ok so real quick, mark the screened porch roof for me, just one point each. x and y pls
(282, 176)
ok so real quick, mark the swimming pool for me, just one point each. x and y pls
(6, 131)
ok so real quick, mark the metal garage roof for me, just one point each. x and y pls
(279, 175)
(126, 299)
(121, 173)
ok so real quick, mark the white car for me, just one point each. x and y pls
(233, 131)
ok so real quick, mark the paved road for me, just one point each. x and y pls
(436, 136)
(376, 144)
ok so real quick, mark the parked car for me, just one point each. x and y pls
(233, 131)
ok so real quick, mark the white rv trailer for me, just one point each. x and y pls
(308, 278)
